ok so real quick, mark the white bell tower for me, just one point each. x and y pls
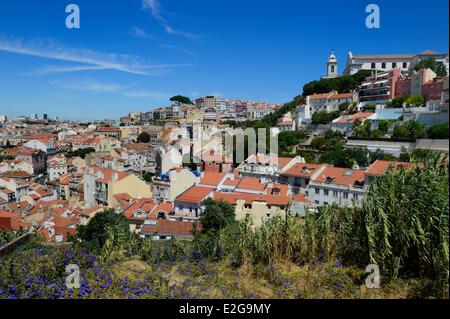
(332, 66)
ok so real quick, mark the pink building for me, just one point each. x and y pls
(432, 90)
(403, 87)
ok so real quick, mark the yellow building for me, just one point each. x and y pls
(259, 207)
(101, 184)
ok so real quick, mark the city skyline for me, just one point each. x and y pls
(134, 56)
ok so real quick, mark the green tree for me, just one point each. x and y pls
(344, 106)
(144, 137)
(416, 129)
(95, 234)
(376, 133)
(181, 99)
(356, 126)
(81, 152)
(148, 177)
(383, 126)
(437, 66)
(439, 131)
(340, 84)
(324, 117)
(415, 100)
(400, 131)
(216, 215)
(397, 102)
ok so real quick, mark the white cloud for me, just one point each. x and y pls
(139, 33)
(91, 86)
(174, 47)
(146, 94)
(48, 49)
(101, 87)
(154, 7)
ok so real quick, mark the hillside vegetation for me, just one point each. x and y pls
(402, 227)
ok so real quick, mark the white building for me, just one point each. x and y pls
(388, 62)
(47, 146)
(329, 102)
(302, 116)
(334, 185)
(286, 123)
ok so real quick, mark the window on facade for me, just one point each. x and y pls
(383, 65)
(325, 192)
(346, 195)
(394, 65)
(317, 202)
(325, 203)
(373, 65)
(335, 194)
(317, 191)
(405, 65)
(355, 196)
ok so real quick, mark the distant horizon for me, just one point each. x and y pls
(153, 50)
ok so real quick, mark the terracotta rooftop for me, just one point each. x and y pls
(302, 170)
(232, 198)
(250, 183)
(167, 227)
(194, 195)
(352, 118)
(340, 176)
(380, 167)
(145, 205)
(302, 198)
(212, 179)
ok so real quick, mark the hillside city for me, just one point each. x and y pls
(163, 169)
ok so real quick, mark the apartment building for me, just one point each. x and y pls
(167, 187)
(328, 102)
(101, 184)
(334, 185)
(379, 88)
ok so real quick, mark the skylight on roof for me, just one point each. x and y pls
(348, 173)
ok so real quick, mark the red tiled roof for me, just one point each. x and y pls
(124, 199)
(340, 176)
(108, 174)
(342, 96)
(302, 198)
(167, 227)
(278, 189)
(212, 178)
(380, 167)
(163, 207)
(146, 205)
(302, 170)
(251, 183)
(352, 118)
(249, 198)
(6, 191)
(93, 210)
(195, 194)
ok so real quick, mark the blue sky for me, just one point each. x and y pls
(133, 55)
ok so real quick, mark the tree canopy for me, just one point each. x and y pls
(343, 84)
(95, 233)
(181, 99)
(144, 137)
(437, 66)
